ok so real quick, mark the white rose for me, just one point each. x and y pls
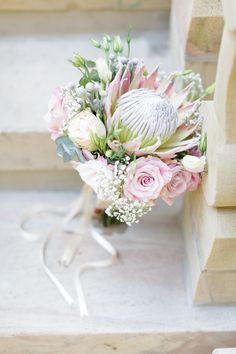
(104, 72)
(93, 172)
(82, 125)
(194, 163)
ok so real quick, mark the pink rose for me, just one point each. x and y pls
(179, 183)
(194, 182)
(148, 179)
(56, 114)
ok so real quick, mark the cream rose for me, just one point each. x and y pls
(81, 127)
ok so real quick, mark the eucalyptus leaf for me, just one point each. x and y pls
(90, 63)
(94, 75)
(67, 150)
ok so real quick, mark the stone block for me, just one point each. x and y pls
(229, 9)
(215, 232)
(219, 182)
(196, 30)
(225, 93)
(210, 238)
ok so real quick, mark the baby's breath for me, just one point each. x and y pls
(121, 208)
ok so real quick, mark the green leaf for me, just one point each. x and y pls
(187, 72)
(90, 63)
(203, 143)
(94, 75)
(83, 81)
(209, 90)
(96, 43)
(100, 143)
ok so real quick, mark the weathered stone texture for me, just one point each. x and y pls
(196, 30)
(88, 5)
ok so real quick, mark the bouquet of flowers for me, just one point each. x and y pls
(134, 136)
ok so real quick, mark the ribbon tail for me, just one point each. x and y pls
(107, 246)
(66, 296)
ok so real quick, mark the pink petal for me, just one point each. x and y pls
(181, 96)
(163, 85)
(148, 149)
(183, 110)
(125, 82)
(133, 145)
(112, 93)
(87, 155)
(138, 76)
(170, 153)
(169, 89)
(112, 120)
(150, 81)
(182, 132)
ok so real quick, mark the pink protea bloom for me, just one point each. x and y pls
(56, 114)
(182, 181)
(148, 107)
(147, 180)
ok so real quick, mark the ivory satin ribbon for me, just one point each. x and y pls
(84, 205)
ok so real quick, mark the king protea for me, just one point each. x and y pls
(149, 115)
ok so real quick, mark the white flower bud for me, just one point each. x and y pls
(194, 163)
(117, 45)
(104, 72)
(89, 87)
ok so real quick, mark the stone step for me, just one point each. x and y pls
(34, 52)
(89, 5)
(140, 305)
(225, 351)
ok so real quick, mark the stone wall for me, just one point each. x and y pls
(210, 214)
(196, 30)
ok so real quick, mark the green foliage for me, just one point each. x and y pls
(128, 40)
(100, 143)
(94, 75)
(67, 150)
(203, 143)
(78, 61)
(96, 44)
(209, 90)
(90, 63)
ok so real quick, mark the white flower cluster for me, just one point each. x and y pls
(111, 190)
(77, 98)
(72, 102)
(127, 211)
(197, 89)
